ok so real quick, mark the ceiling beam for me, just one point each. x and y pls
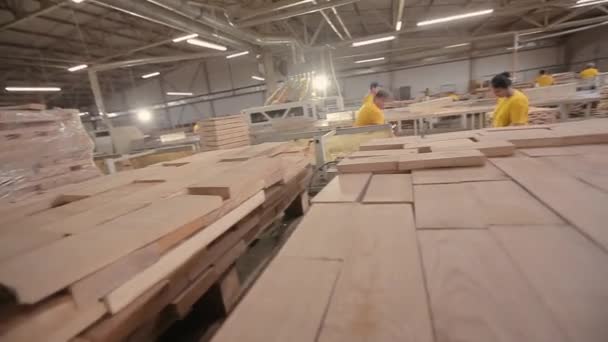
(27, 17)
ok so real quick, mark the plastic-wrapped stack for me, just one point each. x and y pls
(42, 149)
(224, 132)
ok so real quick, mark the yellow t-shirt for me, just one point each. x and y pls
(368, 98)
(369, 114)
(589, 73)
(544, 80)
(511, 110)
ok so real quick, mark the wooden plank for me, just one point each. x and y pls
(566, 269)
(371, 146)
(441, 159)
(490, 148)
(380, 294)
(370, 164)
(589, 168)
(478, 205)
(272, 299)
(100, 247)
(476, 293)
(581, 204)
(128, 292)
(526, 138)
(343, 188)
(389, 189)
(230, 287)
(487, 172)
(97, 285)
(377, 153)
(57, 319)
(16, 242)
(182, 304)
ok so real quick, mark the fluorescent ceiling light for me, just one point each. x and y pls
(455, 17)
(399, 25)
(77, 1)
(144, 115)
(33, 89)
(456, 45)
(209, 45)
(239, 54)
(83, 113)
(182, 38)
(112, 115)
(581, 3)
(320, 82)
(151, 75)
(373, 41)
(529, 33)
(176, 93)
(258, 78)
(370, 60)
(78, 67)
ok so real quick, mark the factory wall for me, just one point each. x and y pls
(588, 46)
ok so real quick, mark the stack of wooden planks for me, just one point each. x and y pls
(542, 116)
(602, 107)
(107, 259)
(512, 250)
(224, 132)
(42, 149)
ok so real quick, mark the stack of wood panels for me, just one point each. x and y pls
(42, 149)
(601, 111)
(512, 250)
(107, 259)
(542, 116)
(224, 132)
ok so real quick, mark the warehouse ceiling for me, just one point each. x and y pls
(40, 39)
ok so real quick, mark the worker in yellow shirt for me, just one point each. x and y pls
(544, 79)
(371, 112)
(589, 72)
(512, 107)
(373, 89)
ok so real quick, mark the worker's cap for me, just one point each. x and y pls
(590, 65)
(375, 85)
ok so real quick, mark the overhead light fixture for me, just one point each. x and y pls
(83, 113)
(32, 89)
(144, 115)
(239, 54)
(182, 38)
(454, 17)
(370, 60)
(258, 78)
(456, 45)
(320, 82)
(112, 115)
(176, 93)
(373, 41)
(582, 3)
(77, 1)
(78, 67)
(399, 25)
(154, 74)
(209, 45)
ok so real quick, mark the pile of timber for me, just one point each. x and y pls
(42, 149)
(224, 133)
(110, 258)
(602, 107)
(542, 116)
(422, 245)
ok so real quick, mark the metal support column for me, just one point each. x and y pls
(270, 76)
(101, 108)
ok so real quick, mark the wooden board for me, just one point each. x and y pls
(369, 164)
(100, 247)
(380, 294)
(377, 153)
(490, 148)
(230, 287)
(128, 292)
(567, 271)
(487, 172)
(292, 291)
(589, 168)
(581, 204)
(477, 294)
(16, 242)
(389, 189)
(441, 159)
(565, 150)
(526, 138)
(478, 205)
(343, 188)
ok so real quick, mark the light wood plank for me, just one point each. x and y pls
(441, 159)
(478, 205)
(380, 294)
(369, 164)
(292, 291)
(77, 256)
(490, 148)
(343, 188)
(590, 168)
(389, 189)
(17, 242)
(377, 153)
(580, 204)
(487, 172)
(476, 293)
(569, 273)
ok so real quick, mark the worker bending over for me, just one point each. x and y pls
(544, 79)
(373, 89)
(589, 72)
(371, 113)
(512, 107)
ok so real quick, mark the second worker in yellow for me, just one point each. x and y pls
(512, 107)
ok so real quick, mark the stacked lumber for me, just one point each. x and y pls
(601, 110)
(224, 133)
(512, 250)
(107, 259)
(542, 116)
(42, 149)
(564, 77)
